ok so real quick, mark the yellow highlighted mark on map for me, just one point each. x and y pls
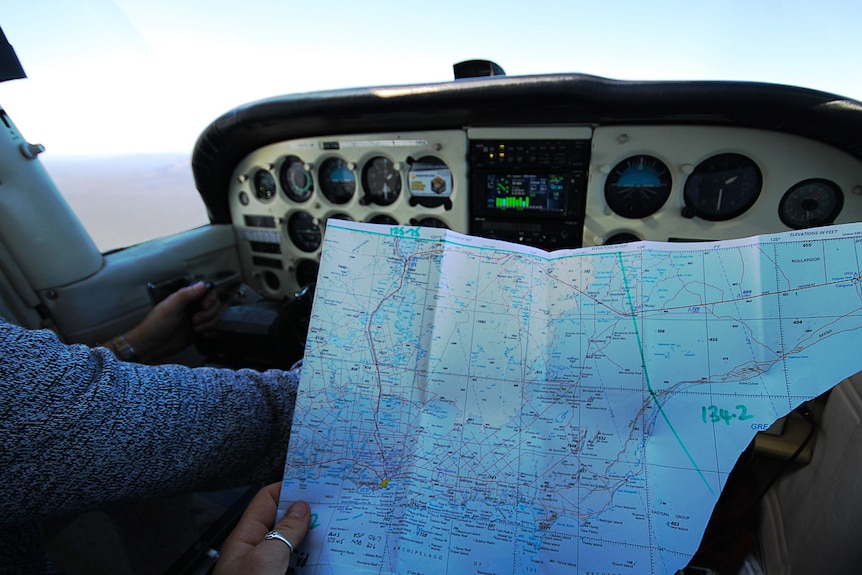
(384, 483)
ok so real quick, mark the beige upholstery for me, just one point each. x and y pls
(812, 518)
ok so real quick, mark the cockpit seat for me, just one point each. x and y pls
(811, 519)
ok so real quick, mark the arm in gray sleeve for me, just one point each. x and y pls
(80, 429)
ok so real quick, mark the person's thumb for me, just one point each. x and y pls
(271, 555)
(192, 293)
(294, 524)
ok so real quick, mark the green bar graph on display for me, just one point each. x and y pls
(510, 202)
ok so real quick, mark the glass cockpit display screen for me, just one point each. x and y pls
(531, 191)
(526, 192)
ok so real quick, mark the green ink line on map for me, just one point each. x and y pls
(416, 236)
(646, 376)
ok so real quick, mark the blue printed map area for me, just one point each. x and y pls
(470, 406)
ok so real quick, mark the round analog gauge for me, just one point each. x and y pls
(264, 185)
(810, 204)
(383, 219)
(381, 181)
(723, 187)
(337, 217)
(337, 181)
(296, 179)
(638, 186)
(304, 232)
(621, 238)
(431, 222)
(306, 272)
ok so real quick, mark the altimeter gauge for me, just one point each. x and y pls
(381, 181)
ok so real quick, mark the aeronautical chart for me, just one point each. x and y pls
(470, 406)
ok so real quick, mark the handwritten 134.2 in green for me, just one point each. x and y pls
(715, 414)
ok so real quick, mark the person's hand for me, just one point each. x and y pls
(167, 330)
(246, 551)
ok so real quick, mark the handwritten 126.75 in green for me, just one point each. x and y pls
(715, 414)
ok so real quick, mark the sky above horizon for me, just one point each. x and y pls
(148, 76)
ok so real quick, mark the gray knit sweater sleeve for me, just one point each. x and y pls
(79, 429)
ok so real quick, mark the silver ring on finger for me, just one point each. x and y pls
(280, 537)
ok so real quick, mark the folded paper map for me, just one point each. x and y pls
(469, 406)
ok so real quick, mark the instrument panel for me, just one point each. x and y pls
(553, 187)
(410, 179)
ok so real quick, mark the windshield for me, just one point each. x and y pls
(120, 77)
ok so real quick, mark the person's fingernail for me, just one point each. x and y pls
(299, 509)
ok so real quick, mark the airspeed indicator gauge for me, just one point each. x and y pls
(638, 186)
(296, 179)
